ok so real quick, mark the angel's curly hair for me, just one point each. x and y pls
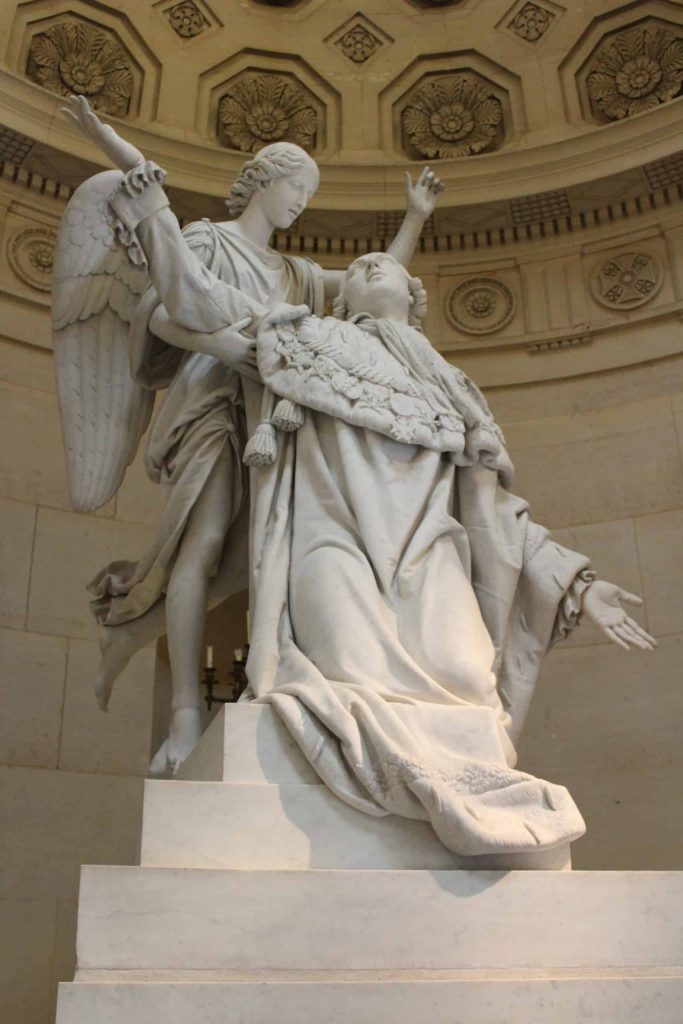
(274, 161)
(418, 296)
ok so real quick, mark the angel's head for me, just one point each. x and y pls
(377, 284)
(281, 178)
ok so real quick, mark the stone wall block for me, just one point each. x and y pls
(70, 549)
(32, 672)
(27, 940)
(32, 467)
(17, 527)
(612, 464)
(606, 723)
(117, 742)
(54, 821)
(26, 365)
(660, 542)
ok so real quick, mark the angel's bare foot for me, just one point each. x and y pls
(184, 735)
(116, 650)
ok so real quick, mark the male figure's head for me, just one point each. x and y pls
(377, 284)
(281, 178)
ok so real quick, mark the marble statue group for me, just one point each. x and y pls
(401, 596)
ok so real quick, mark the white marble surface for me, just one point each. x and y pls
(378, 1001)
(164, 918)
(257, 826)
(247, 743)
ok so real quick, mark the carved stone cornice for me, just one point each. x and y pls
(198, 166)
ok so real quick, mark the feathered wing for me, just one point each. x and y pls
(104, 412)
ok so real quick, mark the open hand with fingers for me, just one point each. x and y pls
(602, 605)
(121, 153)
(422, 197)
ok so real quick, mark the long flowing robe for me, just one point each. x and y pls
(402, 597)
(202, 418)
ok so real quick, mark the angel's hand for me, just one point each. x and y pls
(235, 349)
(284, 313)
(121, 153)
(422, 197)
(602, 605)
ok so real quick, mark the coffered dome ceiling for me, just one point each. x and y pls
(537, 115)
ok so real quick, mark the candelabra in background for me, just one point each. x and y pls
(238, 677)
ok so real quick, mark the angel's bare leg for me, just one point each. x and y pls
(118, 644)
(186, 608)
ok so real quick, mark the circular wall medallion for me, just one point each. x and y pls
(31, 256)
(628, 280)
(480, 305)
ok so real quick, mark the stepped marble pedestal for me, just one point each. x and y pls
(262, 898)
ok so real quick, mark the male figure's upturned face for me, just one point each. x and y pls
(283, 199)
(377, 284)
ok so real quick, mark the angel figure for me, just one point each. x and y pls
(114, 350)
(402, 596)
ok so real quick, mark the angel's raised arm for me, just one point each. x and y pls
(193, 297)
(421, 199)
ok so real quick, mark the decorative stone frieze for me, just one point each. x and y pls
(451, 115)
(358, 43)
(437, 3)
(186, 19)
(635, 70)
(531, 22)
(665, 172)
(358, 39)
(14, 146)
(480, 305)
(560, 344)
(77, 57)
(260, 107)
(31, 255)
(627, 280)
(540, 206)
(388, 223)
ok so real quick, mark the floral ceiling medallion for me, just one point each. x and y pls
(480, 305)
(264, 107)
(186, 19)
(627, 280)
(78, 57)
(359, 39)
(358, 43)
(531, 22)
(634, 71)
(31, 256)
(451, 116)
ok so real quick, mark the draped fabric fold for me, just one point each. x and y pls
(203, 415)
(402, 597)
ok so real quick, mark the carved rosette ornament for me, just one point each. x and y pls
(260, 108)
(358, 43)
(186, 19)
(628, 280)
(451, 116)
(532, 22)
(77, 57)
(480, 305)
(31, 256)
(634, 71)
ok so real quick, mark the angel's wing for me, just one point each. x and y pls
(104, 412)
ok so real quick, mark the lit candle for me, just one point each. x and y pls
(209, 656)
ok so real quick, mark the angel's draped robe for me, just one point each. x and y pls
(401, 605)
(201, 419)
